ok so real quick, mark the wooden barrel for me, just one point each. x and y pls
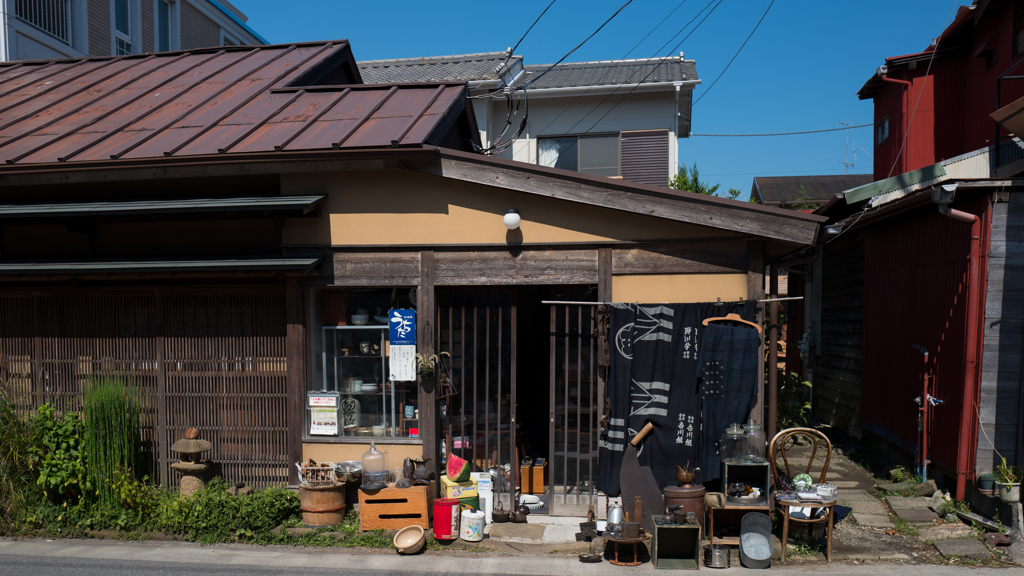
(322, 505)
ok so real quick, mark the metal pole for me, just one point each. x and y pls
(773, 350)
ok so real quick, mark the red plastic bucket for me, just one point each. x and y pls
(446, 518)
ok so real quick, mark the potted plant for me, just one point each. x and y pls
(425, 365)
(1008, 480)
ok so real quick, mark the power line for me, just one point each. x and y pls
(927, 72)
(756, 26)
(562, 59)
(658, 51)
(783, 133)
(653, 29)
(635, 86)
(528, 30)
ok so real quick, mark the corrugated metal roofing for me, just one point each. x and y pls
(970, 166)
(102, 266)
(159, 206)
(210, 101)
(481, 67)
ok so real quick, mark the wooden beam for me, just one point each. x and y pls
(426, 310)
(680, 207)
(37, 350)
(377, 268)
(295, 347)
(482, 268)
(710, 257)
(755, 292)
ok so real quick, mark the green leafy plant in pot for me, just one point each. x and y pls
(425, 365)
(1008, 479)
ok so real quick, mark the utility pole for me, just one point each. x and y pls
(847, 163)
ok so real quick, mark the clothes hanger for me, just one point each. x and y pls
(732, 318)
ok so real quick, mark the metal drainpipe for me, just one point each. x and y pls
(773, 350)
(971, 352)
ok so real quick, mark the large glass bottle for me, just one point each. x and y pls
(734, 445)
(375, 472)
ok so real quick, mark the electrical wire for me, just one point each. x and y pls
(562, 59)
(924, 83)
(756, 26)
(642, 80)
(783, 133)
(653, 29)
(658, 51)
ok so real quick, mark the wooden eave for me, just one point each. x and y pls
(784, 230)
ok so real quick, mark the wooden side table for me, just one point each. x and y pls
(616, 542)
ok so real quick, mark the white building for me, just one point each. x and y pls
(56, 29)
(615, 118)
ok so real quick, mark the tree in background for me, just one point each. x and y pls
(688, 179)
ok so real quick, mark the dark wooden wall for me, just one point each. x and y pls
(1002, 366)
(211, 358)
(837, 350)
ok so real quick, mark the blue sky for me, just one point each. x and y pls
(800, 71)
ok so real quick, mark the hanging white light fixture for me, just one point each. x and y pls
(511, 219)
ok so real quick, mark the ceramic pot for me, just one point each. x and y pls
(1009, 493)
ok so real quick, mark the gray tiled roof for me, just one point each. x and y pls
(613, 72)
(819, 189)
(470, 67)
(463, 67)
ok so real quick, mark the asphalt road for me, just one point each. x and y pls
(110, 558)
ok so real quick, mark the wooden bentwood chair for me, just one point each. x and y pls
(778, 447)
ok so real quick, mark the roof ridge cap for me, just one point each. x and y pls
(426, 59)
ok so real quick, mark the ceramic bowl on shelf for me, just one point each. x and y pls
(360, 319)
(369, 387)
(380, 319)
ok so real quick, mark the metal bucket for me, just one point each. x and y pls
(716, 556)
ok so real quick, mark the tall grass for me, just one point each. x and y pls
(18, 470)
(113, 437)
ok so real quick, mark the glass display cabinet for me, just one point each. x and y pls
(355, 364)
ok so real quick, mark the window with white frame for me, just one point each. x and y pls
(882, 131)
(166, 25)
(50, 16)
(590, 154)
(122, 27)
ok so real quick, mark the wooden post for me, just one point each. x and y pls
(426, 310)
(295, 348)
(37, 351)
(755, 292)
(163, 452)
(773, 352)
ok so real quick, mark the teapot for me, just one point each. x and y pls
(499, 514)
(519, 517)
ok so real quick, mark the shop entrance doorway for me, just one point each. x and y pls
(528, 391)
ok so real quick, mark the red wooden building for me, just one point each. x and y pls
(954, 84)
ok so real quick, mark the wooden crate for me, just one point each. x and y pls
(395, 508)
(675, 547)
(533, 479)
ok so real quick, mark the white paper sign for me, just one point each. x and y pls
(403, 362)
(323, 400)
(323, 421)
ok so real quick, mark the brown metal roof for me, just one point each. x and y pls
(210, 101)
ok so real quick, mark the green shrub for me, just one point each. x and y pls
(214, 515)
(113, 439)
(792, 402)
(62, 471)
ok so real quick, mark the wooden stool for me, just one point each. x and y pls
(618, 541)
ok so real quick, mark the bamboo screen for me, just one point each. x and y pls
(221, 369)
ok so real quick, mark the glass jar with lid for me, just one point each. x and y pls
(734, 445)
(755, 441)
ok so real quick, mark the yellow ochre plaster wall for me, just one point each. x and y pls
(395, 207)
(394, 454)
(675, 288)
